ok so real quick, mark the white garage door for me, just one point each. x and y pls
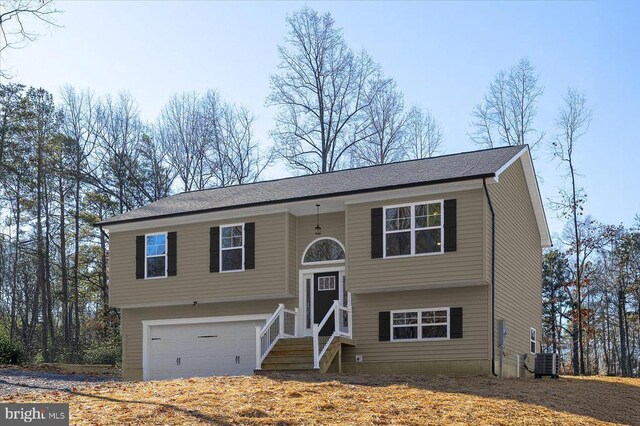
(201, 349)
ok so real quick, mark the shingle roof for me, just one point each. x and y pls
(446, 168)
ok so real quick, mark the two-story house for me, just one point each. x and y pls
(398, 268)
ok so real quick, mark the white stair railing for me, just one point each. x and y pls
(283, 323)
(342, 327)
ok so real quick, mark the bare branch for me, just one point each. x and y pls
(17, 17)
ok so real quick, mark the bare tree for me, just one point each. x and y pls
(242, 157)
(208, 142)
(17, 18)
(157, 176)
(211, 109)
(118, 151)
(320, 93)
(506, 117)
(572, 124)
(423, 135)
(385, 126)
(80, 125)
(180, 133)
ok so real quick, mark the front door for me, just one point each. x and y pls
(326, 289)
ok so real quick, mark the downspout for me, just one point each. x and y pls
(493, 278)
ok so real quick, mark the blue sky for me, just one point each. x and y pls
(443, 56)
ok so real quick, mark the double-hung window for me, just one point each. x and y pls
(232, 248)
(420, 324)
(155, 255)
(413, 229)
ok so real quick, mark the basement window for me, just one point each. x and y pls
(420, 324)
(413, 229)
(155, 265)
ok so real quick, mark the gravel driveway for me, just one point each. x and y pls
(16, 380)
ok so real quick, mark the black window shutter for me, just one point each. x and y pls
(172, 254)
(214, 249)
(455, 318)
(384, 326)
(450, 221)
(140, 257)
(249, 245)
(376, 233)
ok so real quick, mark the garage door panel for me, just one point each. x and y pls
(204, 349)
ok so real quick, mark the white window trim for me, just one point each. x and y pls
(419, 325)
(324, 262)
(231, 248)
(412, 230)
(166, 256)
(332, 287)
(534, 340)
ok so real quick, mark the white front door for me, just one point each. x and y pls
(201, 349)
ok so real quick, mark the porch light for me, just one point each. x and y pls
(318, 228)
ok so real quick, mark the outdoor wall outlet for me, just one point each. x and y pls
(358, 358)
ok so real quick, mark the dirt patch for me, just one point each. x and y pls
(332, 399)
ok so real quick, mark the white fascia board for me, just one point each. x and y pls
(298, 208)
(204, 320)
(510, 162)
(534, 192)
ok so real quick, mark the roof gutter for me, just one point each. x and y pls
(493, 278)
(295, 199)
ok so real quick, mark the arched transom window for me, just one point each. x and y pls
(324, 250)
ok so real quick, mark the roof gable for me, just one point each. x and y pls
(524, 155)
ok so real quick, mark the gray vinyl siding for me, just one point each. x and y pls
(518, 261)
(332, 225)
(472, 346)
(131, 324)
(193, 280)
(466, 265)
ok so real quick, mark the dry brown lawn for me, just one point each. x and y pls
(357, 400)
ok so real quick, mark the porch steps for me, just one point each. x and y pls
(296, 354)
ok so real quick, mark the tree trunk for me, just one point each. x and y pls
(47, 268)
(40, 275)
(76, 267)
(64, 273)
(16, 257)
(578, 265)
(575, 357)
(103, 271)
(624, 356)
